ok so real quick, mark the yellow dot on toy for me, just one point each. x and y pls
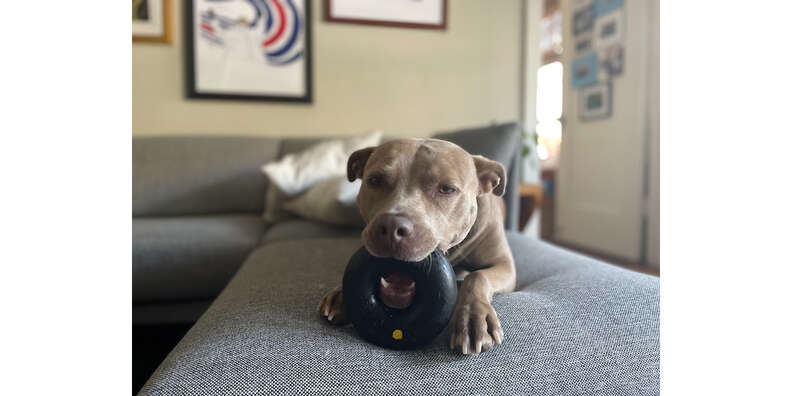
(397, 334)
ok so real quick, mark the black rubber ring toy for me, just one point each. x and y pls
(416, 325)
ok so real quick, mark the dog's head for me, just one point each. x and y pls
(419, 195)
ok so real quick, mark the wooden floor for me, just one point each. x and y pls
(637, 267)
(534, 199)
(640, 268)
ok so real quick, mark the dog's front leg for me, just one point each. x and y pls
(475, 325)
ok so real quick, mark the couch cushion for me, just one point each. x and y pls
(179, 258)
(199, 175)
(332, 201)
(297, 172)
(496, 142)
(306, 229)
(295, 145)
(577, 326)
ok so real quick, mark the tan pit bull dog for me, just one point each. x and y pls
(419, 195)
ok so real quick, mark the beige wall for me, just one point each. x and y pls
(653, 198)
(599, 201)
(408, 82)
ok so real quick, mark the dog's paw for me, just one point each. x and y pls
(476, 327)
(332, 307)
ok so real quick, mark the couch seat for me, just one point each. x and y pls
(306, 229)
(575, 326)
(189, 257)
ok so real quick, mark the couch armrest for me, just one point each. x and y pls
(574, 326)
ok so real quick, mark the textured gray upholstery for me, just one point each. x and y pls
(306, 229)
(199, 175)
(295, 145)
(577, 326)
(178, 258)
(502, 143)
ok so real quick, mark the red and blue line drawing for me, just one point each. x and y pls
(274, 26)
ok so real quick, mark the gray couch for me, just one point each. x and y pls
(574, 326)
(197, 204)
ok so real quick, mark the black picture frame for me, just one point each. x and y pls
(583, 20)
(190, 81)
(330, 17)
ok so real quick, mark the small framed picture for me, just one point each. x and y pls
(612, 60)
(608, 30)
(602, 7)
(422, 14)
(249, 50)
(583, 44)
(583, 19)
(584, 71)
(151, 21)
(595, 102)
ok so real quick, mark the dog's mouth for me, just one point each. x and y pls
(397, 290)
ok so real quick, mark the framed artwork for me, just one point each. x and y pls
(583, 44)
(151, 21)
(583, 19)
(585, 71)
(249, 50)
(612, 60)
(602, 7)
(424, 14)
(595, 101)
(608, 29)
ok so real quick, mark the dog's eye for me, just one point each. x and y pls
(446, 189)
(375, 180)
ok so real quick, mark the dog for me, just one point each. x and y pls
(419, 195)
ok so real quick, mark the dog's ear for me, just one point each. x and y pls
(356, 163)
(491, 174)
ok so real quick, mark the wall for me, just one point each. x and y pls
(532, 31)
(408, 82)
(652, 209)
(601, 202)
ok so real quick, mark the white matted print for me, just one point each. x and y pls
(595, 101)
(612, 60)
(151, 20)
(428, 14)
(608, 29)
(249, 49)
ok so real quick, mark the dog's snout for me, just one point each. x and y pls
(396, 228)
(399, 236)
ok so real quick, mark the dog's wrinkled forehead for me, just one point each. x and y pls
(428, 158)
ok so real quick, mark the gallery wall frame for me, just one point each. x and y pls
(259, 53)
(596, 101)
(151, 21)
(367, 12)
(598, 32)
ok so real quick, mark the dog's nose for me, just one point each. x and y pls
(395, 228)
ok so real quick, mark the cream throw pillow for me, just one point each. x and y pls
(329, 202)
(297, 172)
